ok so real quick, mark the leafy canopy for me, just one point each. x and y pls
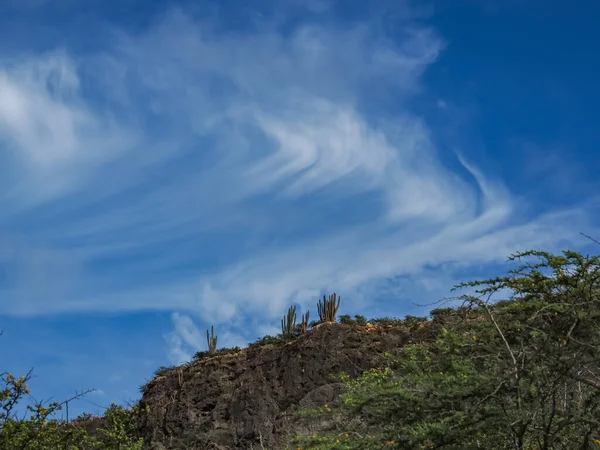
(522, 373)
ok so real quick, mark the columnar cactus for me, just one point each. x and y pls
(212, 340)
(304, 324)
(288, 324)
(328, 308)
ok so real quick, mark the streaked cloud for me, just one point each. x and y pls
(221, 175)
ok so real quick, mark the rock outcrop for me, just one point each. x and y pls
(251, 398)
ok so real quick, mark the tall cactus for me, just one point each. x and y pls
(288, 324)
(328, 308)
(212, 340)
(304, 324)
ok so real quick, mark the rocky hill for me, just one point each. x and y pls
(250, 398)
(518, 373)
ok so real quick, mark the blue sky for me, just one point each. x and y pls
(166, 166)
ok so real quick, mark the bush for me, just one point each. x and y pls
(163, 370)
(42, 431)
(265, 340)
(519, 374)
(411, 321)
(346, 319)
(358, 320)
(440, 314)
(222, 351)
(386, 321)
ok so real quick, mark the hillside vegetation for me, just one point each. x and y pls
(518, 372)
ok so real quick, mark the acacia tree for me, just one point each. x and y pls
(523, 373)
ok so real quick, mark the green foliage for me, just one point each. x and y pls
(201, 355)
(120, 430)
(518, 374)
(439, 314)
(268, 339)
(358, 320)
(412, 321)
(163, 370)
(346, 319)
(39, 429)
(221, 351)
(386, 321)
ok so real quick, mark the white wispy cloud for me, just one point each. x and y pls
(186, 169)
(53, 141)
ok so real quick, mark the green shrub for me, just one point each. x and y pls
(389, 321)
(411, 321)
(41, 430)
(163, 370)
(222, 351)
(519, 374)
(439, 314)
(268, 339)
(346, 319)
(358, 320)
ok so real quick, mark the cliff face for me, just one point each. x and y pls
(237, 401)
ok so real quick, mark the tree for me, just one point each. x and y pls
(522, 373)
(41, 431)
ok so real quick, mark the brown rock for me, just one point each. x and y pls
(233, 401)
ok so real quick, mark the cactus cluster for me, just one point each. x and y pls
(288, 324)
(304, 323)
(212, 340)
(328, 308)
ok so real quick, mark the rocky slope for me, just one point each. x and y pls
(250, 398)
